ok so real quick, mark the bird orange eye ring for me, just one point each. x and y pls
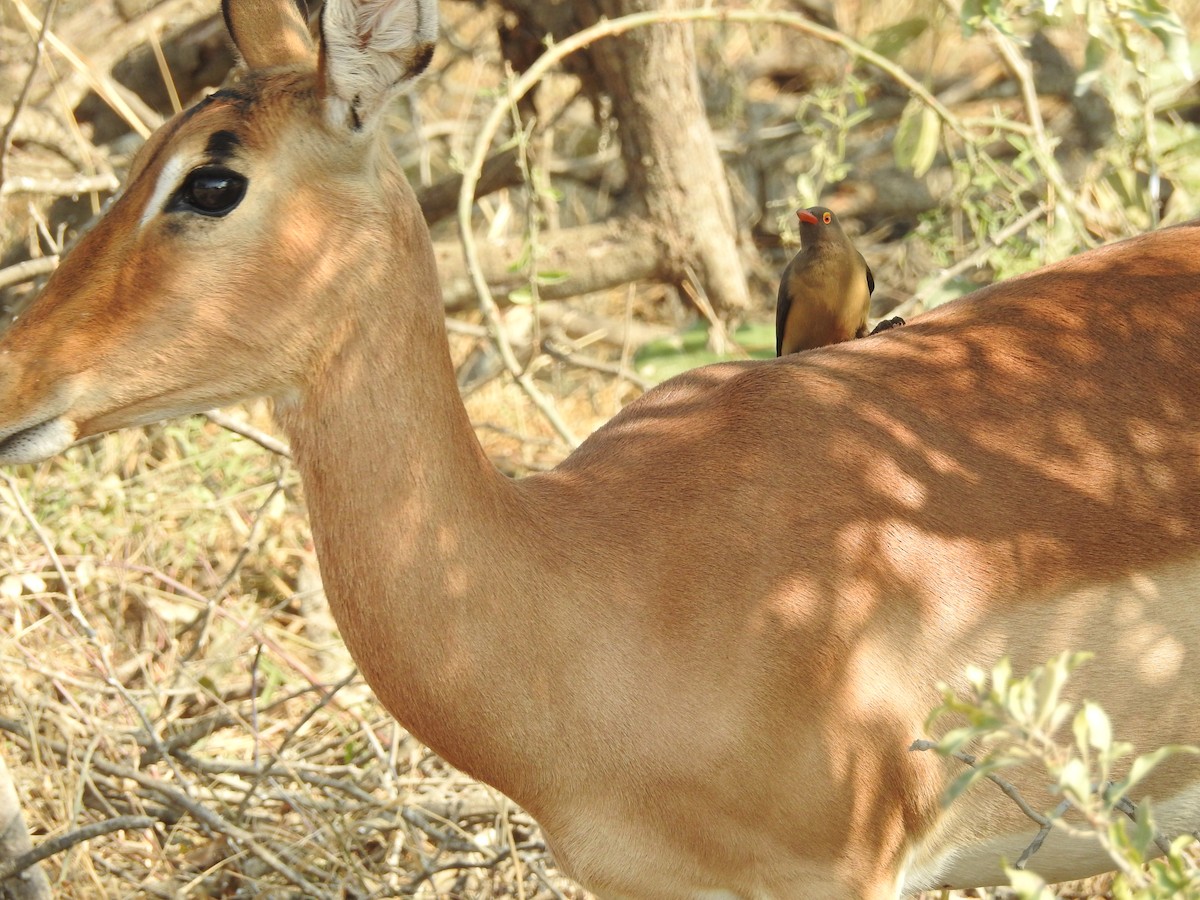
(827, 218)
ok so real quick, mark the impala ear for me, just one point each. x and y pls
(269, 33)
(370, 48)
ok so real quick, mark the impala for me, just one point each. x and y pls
(724, 618)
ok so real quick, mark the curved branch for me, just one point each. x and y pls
(51, 846)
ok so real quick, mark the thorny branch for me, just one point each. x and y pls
(1045, 823)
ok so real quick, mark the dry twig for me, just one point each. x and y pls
(38, 49)
(51, 846)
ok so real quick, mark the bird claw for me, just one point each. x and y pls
(888, 324)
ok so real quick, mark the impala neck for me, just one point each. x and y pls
(413, 525)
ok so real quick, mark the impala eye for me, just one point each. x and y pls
(210, 191)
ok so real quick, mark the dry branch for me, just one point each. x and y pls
(438, 201)
(179, 799)
(60, 187)
(243, 429)
(18, 273)
(584, 260)
(22, 97)
(54, 845)
(562, 354)
(100, 43)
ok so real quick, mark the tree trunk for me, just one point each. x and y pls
(675, 172)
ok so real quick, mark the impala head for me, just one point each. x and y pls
(230, 264)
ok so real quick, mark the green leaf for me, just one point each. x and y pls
(977, 678)
(1094, 55)
(1073, 780)
(1080, 729)
(551, 276)
(1168, 28)
(917, 138)
(945, 292)
(1144, 765)
(1098, 726)
(1049, 684)
(968, 777)
(1121, 890)
(667, 357)
(971, 16)
(955, 739)
(891, 40)
(1002, 676)
(1142, 834)
(1028, 885)
(855, 119)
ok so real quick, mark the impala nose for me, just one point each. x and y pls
(38, 442)
(33, 424)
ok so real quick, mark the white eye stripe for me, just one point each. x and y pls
(167, 179)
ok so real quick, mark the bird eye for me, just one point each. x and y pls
(827, 218)
(210, 191)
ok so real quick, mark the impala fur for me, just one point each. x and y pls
(698, 650)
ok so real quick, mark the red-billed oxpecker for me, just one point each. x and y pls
(825, 292)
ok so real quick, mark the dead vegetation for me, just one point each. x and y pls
(169, 665)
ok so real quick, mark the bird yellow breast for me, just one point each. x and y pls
(827, 307)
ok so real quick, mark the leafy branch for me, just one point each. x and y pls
(1027, 722)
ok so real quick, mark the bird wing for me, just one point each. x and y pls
(782, 305)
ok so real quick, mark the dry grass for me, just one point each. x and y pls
(189, 553)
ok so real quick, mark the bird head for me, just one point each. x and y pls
(816, 223)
